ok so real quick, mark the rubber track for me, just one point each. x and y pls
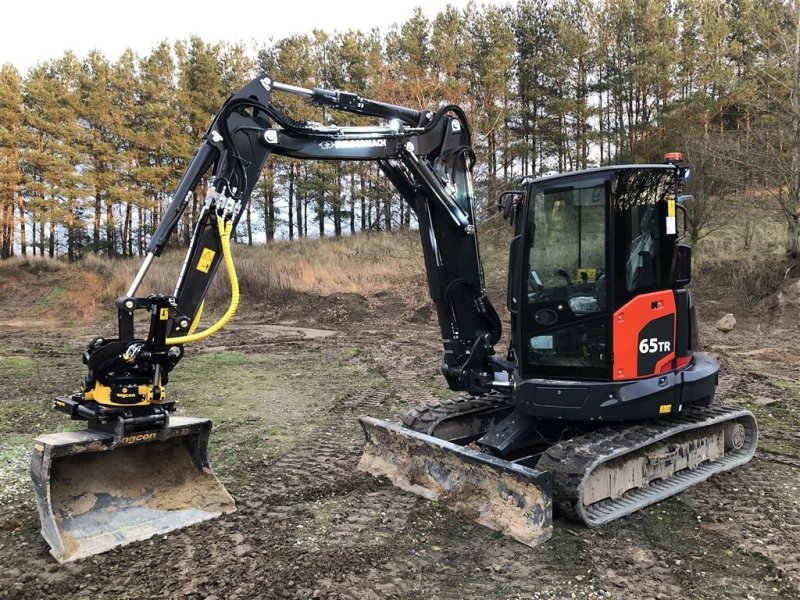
(571, 461)
(425, 417)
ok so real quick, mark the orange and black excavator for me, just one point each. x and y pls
(601, 405)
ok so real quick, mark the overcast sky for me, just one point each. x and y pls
(37, 30)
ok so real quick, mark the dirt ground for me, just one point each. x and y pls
(285, 386)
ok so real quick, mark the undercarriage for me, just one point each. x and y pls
(594, 472)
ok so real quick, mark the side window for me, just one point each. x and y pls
(640, 203)
(642, 266)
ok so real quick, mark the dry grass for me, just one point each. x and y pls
(725, 267)
(363, 264)
(367, 265)
(370, 264)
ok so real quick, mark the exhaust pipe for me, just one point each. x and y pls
(94, 494)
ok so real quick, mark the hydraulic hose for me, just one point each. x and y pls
(225, 241)
(197, 318)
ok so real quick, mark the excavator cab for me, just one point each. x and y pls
(605, 302)
(594, 242)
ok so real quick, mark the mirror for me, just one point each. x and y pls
(682, 224)
(682, 265)
(507, 204)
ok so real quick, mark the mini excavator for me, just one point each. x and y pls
(601, 405)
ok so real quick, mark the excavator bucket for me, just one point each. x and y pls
(94, 495)
(501, 495)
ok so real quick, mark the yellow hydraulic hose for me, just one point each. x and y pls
(196, 320)
(225, 240)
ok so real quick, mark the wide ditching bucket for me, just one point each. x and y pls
(498, 494)
(94, 495)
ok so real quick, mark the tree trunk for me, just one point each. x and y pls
(271, 210)
(4, 245)
(291, 201)
(51, 241)
(129, 225)
(249, 222)
(126, 230)
(140, 232)
(387, 212)
(23, 246)
(98, 209)
(337, 203)
(33, 232)
(363, 201)
(321, 212)
(111, 234)
(352, 203)
(793, 213)
(70, 232)
(302, 224)
(41, 232)
(305, 215)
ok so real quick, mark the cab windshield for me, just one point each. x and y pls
(567, 256)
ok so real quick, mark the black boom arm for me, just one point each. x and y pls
(426, 155)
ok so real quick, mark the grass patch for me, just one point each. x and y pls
(776, 421)
(55, 294)
(263, 405)
(17, 369)
(361, 264)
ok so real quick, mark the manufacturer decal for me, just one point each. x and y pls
(352, 144)
(655, 343)
(139, 437)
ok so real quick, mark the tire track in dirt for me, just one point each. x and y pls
(373, 517)
(756, 508)
(628, 567)
(377, 518)
(320, 474)
(431, 552)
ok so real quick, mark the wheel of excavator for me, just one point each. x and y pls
(735, 436)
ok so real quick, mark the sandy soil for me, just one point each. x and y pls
(309, 525)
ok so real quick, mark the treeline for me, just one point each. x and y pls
(91, 149)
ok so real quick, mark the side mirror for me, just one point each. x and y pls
(681, 231)
(681, 274)
(507, 204)
(514, 292)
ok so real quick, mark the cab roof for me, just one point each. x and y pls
(598, 170)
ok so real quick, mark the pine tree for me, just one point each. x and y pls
(53, 147)
(200, 94)
(100, 118)
(10, 173)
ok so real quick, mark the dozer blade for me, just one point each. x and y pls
(501, 495)
(94, 496)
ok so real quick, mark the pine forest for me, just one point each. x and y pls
(91, 148)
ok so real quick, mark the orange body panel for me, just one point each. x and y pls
(644, 336)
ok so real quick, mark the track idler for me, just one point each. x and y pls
(96, 491)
